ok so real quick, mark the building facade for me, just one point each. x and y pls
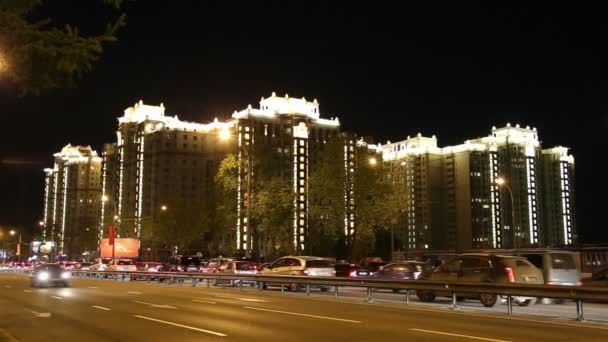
(559, 210)
(498, 191)
(295, 129)
(72, 200)
(158, 161)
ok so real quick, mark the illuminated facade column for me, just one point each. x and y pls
(349, 190)
(300, 185)
(566, 196)
(495, 204)
(533, 203)
(244, 191)
(55, 194)
(140, 181)
(48, 202)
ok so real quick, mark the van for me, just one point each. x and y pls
(559, 267)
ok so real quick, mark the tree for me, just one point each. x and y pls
(39, 56)
(326, 204)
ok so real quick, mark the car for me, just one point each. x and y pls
(402, 270)
(351, 270)
(121, 265)
(598, 279)
(214, 263)
(70, 265)
(84, 266)
(373, 264)
(237, 267)
(100, 264)
(483, 268)
(300, 266)
(50, 275)
(148, 266)
(559, 267)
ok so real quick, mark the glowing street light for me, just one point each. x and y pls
(163, 208)
(501, 182)
(224, 134)
(373, 161)
(12, 232)
(41, 223)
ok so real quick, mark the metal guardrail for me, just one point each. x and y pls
(576, 293)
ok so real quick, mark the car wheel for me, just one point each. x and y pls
(425, 296)
(293, 287)
(396, 290)
(324, 289)
(488, 300)
(528, 301)
(264, 286)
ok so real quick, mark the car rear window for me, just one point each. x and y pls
(189, 261)
(125, 262)
(49, 267)
(562, 261)
(523, 263)
(245, 266)
(318, 264)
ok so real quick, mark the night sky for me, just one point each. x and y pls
(386, 70)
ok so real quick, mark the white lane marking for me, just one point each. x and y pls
(245, 299)
(458, 335)
(56, 297)
(159, 306)
(28, 291)
(182, 326)
(203, 301)
(100, 307)
(303, 315)
(134, 292)
(39, 314)
(92, 287)
(7, 286)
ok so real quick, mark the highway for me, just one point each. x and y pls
(104, 310)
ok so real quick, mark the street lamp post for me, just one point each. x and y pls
(501, 182)
(13, 232)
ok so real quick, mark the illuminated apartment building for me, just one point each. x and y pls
(558, 186)
(294, 128)
(158, 160)
(72, 200)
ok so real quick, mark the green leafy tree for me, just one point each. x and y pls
(326, 205)
(272, 214)
(38, 55)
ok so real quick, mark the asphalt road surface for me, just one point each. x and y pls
(101, 310)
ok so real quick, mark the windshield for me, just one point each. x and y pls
(562, 261)
(318, 264)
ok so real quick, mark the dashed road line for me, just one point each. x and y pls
(56, 297)
(203, 301)
(469, 337)
(182, 326)
(100, 308)
(303, 315)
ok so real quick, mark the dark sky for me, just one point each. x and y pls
(385, 69)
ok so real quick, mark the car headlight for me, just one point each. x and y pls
(65, 275)
(43, 276)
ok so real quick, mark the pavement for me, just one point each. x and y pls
(105, 310)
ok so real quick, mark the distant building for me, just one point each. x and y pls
(455, 202)
(294, 128)
(158, 161)
(72, 200)
(558, 191)
(417, 163)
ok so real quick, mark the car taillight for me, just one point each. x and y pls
(333, 272)
(179, 268)
(579, 283)
(351, 274)
(305, 272)
(551, 283)
(510, 274)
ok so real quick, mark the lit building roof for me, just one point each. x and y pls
(411, 146)
(560, 152)
(275, 106)
(77, 154)
(141, 112)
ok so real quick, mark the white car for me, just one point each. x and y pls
(122, 265)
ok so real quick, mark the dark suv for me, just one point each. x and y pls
(483, 268)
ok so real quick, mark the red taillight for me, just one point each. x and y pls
(579, 283)
(510, 274)
(305, 272)
(551, 283)
(352, 274)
